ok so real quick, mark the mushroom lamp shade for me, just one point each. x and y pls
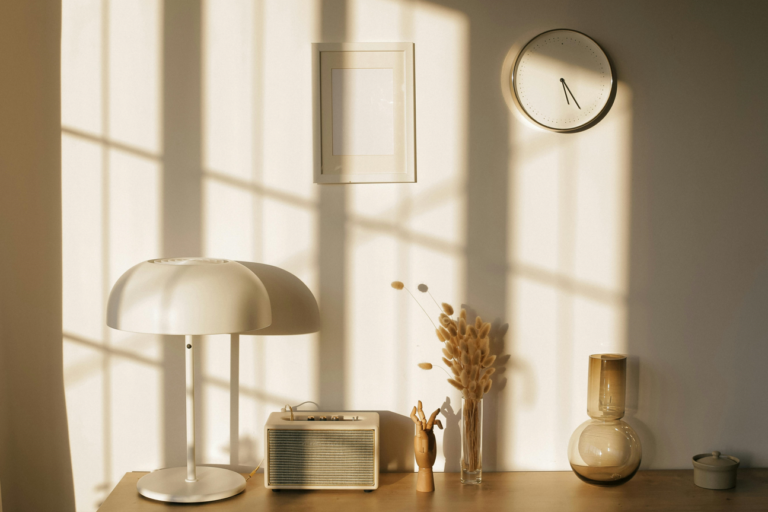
(294, 308)
(189, 296)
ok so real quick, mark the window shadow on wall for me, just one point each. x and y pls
(181, 200)
(332, 243)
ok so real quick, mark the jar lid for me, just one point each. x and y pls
(715, 461)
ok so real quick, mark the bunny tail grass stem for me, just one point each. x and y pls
(422, 307)
(435, 301)
(471, 432)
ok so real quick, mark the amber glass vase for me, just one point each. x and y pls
(471, 441)
(605, 450)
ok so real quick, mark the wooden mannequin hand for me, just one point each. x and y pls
(425, 448)
(424, 445)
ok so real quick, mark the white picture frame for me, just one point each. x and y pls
(364, 113)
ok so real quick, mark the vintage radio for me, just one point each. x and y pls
(322, 450)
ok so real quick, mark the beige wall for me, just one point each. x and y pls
(35, 469)
(187, 131)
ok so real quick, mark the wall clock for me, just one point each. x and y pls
(563, 81)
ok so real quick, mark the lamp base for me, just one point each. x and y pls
(170, 485)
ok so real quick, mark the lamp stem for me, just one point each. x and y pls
(190, 351)
(234, 399)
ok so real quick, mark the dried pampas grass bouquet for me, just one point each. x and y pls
(466, 353)
(466, 348)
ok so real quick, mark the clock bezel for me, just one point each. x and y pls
(589, 124)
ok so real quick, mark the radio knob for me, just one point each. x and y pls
(335, 418)
(323, 418)
(310, 418)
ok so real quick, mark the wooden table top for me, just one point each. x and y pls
(518, 491)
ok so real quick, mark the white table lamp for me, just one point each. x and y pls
(189, 296)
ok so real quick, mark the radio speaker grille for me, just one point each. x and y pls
(321, 457)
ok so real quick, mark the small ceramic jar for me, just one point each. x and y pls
(714, 471)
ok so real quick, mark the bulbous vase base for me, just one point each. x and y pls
(604, 452)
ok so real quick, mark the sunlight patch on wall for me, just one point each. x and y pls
(135, 211)
(81, 70)
(290, 230)
(213, 427)
(532, 394)
(438, 208)
(228, 221)
(284, 81)
(371, 355)
(380, 20)
(252, 407)
(83, 303)
(110, 219)
(600, 269)
(134, 75)
(290, 372)
(213, 410)
(81, 182)
(601, 197)
(100, 364)
(228, 46)
(85, 395)
(413, 233)
(537, 208)
(569, 216)
(135, 410)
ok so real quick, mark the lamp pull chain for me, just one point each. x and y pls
(190, 352)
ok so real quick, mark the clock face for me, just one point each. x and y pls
(563, 81)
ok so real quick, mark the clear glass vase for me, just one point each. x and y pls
(605, 450)
(471, 441)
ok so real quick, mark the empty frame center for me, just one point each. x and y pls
(363, 111)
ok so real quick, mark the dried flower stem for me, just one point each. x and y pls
(471, 416)
(435, 301)
(422, 307)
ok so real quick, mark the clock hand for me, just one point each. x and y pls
(562, 82)
(569, 90)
